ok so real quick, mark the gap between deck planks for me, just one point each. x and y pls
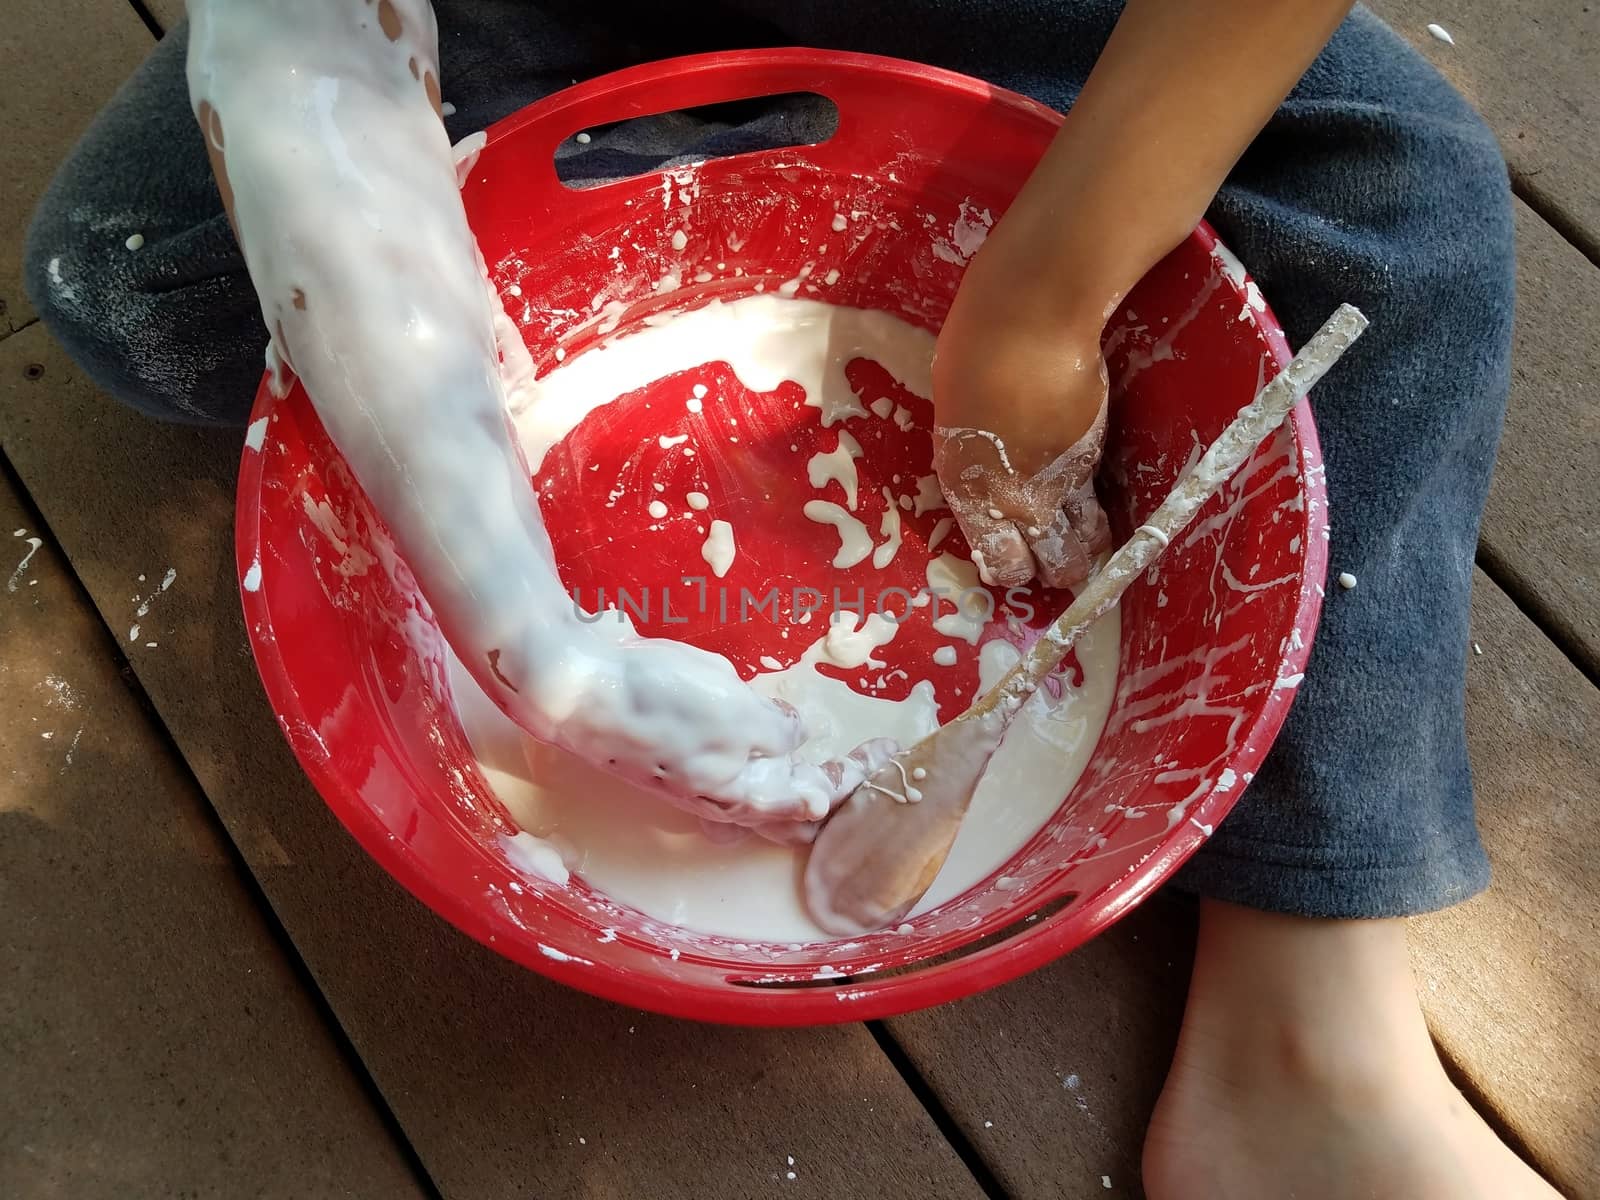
(1541, 529)
(154, 1038)
(158, 16)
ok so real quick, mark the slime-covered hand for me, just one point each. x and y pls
(1176, 96)
(1021, 424)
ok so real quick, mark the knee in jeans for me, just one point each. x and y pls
(1469, 211)
(147, 347)
(1462, 189)
(84, 296)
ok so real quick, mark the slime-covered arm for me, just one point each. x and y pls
(1179, 92)
(321, 118)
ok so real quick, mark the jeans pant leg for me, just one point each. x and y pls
(1376, 183)
(172, 328)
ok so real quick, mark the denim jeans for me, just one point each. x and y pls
(1374, 183)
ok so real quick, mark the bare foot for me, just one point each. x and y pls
(1305, 1070)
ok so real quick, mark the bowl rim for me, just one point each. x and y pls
(1024, 947)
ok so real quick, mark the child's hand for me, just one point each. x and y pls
(1176, 96)
(1020, 402)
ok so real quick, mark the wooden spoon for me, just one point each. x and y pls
(884, 845)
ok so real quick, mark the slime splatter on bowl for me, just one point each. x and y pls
(883, 215)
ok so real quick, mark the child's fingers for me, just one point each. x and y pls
(1007, 561)
(1062, 554)
(999, 549)
(1078, 534)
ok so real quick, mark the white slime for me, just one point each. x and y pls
(889, 526)
(837, 466)
(855, 543)
(928, 497)
(961, 606)
(719, 549)
(659, 860)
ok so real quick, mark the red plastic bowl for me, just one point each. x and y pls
(1213, 640)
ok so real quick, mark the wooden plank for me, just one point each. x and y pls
(1053, 1077)
(506, 1084)
(1541, 531)
(154, 1039)
(60, 61)
(1529, 66)
(1511, 980)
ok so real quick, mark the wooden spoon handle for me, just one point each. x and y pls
(1225, 456)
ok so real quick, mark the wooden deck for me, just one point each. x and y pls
(206, 988)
